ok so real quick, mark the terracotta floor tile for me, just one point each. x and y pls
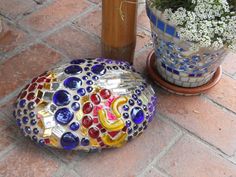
(31, 161)
(189, 158)
(224, 93)
(24, 66)
(55, 13)
(202, 118)
(75, 43)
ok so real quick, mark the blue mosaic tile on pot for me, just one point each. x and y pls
(175, 63)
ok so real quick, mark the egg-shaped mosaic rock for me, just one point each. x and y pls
(86, 104)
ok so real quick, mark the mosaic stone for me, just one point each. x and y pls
(86, 104)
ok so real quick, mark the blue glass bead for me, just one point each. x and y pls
(74, 126)
(61, 98)
(122, 67)
(144, 107)
(33, 122)
(76, 97)
(144, 123)
(135, 134)
(196, 58)
(134, 96)
(141, 88)
(72, 83)
(137, 115)
(25, 120)
(89, 89)
(130, 130)
(36, 131)
(115, 68)
(95, 78)
(75, 106)
(85, 142)
(81, 91)
(125, 107)
(150, 107)
(98, 69)
(25, 111)
(22, 103)
(138, 92)
(41, 142)
(77, 61)
(128, 123)
(19, 112)
(31, 114)
(126, 115)
(86, 68)
(131, 102)
(69, 141)
(109, 68)
(89, 74)
(127, 66)
(109, 61)
(85, 78)
(136, 127)
(27, 130)
(89, 82)
(63, 116)
(34, 138)
(31, 105)
(89, 65)
(139, 102)
(73, 69)
(18, 122)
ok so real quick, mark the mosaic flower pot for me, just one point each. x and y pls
(86, 105)
(176, 63)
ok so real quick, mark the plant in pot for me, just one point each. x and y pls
(191, 38)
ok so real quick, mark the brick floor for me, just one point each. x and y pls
(191, 136)
(192, 158)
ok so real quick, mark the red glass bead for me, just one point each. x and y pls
(87, 108)
(99, 126)
(95, 99)
(87, 121)
(41, 79)
(30, 96)
(99, 139)
(27, 86)
(93, 132)
(48, 80)
(46, 141)
(101, 144)
(105, 94)
(34, 79)
(103, 130)
(37, 101)
(40, 86)
(23, 94)
(95, 120)
(32, 87)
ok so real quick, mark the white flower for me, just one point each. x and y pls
(210, 24)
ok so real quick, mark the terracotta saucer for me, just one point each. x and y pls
(177, 89)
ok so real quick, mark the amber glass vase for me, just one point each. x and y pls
(119, 22)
